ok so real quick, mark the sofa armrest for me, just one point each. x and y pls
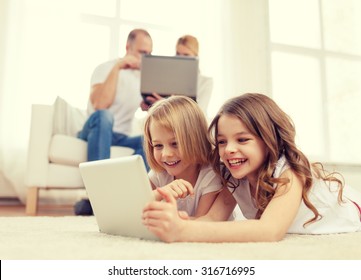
(40, 135)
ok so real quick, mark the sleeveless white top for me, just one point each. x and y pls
(336, 218)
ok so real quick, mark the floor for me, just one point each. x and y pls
(13, 208)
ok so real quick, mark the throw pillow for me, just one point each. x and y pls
(67, 119)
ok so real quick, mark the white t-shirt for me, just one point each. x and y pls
(127, 98)
(207, 182)
(336, 218)
(204, 92)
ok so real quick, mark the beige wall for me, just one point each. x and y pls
(246, 47)
(251, 46)
(351, 173)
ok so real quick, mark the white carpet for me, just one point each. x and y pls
(73, 238)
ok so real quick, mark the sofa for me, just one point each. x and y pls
(54, 151)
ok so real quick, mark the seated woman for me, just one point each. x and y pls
(188, 45)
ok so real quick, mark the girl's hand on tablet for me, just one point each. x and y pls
(163, 218)
(179, 188)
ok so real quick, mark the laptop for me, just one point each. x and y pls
(169, 75)
(118, 190)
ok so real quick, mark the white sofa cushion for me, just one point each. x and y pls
(67, 119)
(64, 176)
(70, 150)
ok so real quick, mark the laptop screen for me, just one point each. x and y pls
(169, 75)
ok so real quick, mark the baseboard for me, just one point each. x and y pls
(9, 201)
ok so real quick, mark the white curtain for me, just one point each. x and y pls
(43, 57)
(12, 153)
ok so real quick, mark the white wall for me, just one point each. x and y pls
(250, 46)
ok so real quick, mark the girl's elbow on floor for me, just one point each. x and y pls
(273, 235)
(276, 237)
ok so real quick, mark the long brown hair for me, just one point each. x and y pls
(266, 120)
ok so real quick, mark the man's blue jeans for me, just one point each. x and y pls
(98, 132)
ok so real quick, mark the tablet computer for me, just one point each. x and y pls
(118, 190)
(169, 75)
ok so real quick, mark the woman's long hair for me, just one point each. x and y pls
(265, 119)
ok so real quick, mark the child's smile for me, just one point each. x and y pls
(167, 154)
(236, 162)
(242, 152)
(172, 163)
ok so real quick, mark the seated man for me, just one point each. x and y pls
(114, 98)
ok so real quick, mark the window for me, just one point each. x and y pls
(163, 19)
(316, 70)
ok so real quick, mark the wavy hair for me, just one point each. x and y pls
(266, 120)
(185, 119)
